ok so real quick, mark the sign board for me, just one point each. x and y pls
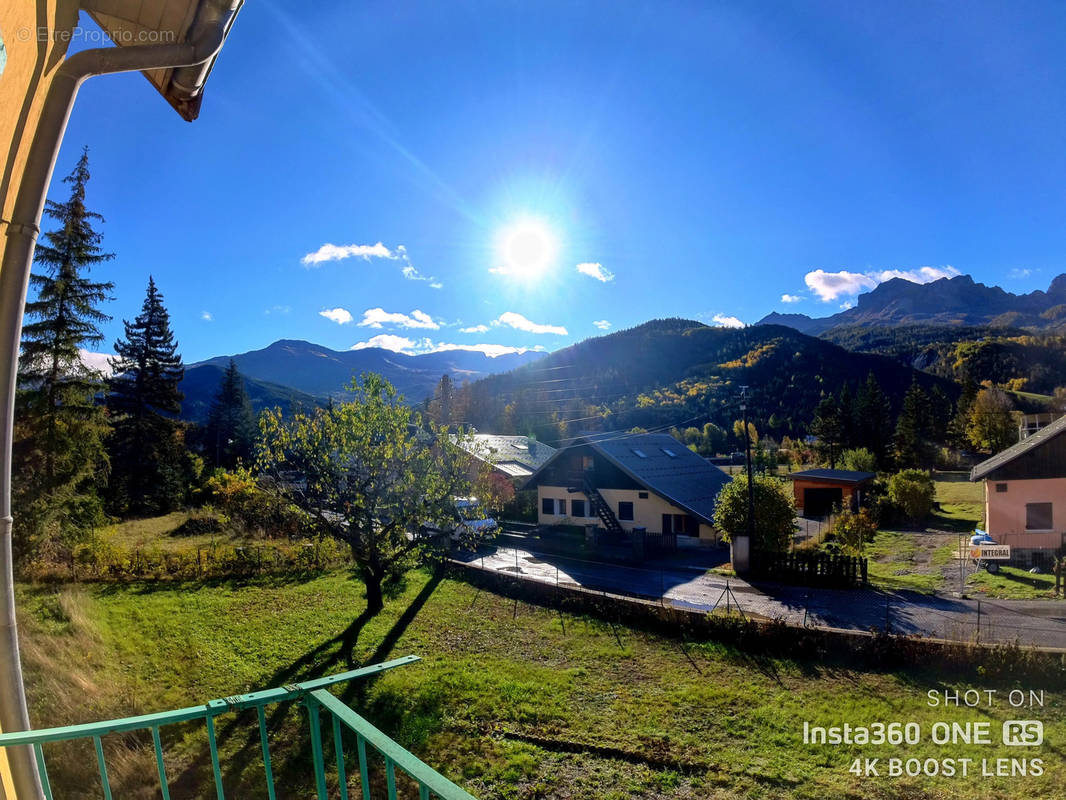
(990, 552)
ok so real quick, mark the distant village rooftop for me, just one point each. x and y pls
(1027, 445)
(515, 456)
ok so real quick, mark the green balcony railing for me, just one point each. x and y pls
(316, 698)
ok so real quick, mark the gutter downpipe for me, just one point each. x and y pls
(22, 234)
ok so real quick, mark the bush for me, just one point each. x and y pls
(200, 523)
(252, 507)
(859, 460)
(912, 492)
(853, 529)
(775, 512)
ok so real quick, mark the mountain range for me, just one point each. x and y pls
(674, 371)
(292, 372)
(947, 301)
(678, 372)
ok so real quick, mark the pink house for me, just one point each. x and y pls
(1025, 492)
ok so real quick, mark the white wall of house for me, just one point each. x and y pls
(647, 512)
(1007, 511)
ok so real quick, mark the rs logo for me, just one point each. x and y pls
(1023, 732)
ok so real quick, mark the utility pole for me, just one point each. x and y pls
(747, 462)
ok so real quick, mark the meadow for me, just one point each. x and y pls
(510, 700)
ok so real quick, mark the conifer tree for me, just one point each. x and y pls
(442, 404)
(229, 435)
(828, 426)
(873, 419)
(148, 459)
(59, 457)
(914, 430)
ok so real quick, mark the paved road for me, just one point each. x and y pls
(1038, 622)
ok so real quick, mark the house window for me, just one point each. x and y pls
(1038, 516)
(547, 506)
(1001, 487)
(639, 453)
(562, 508)
(625, 510)
(577, 508)
(669, 452)
(642, 495)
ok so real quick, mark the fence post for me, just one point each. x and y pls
(806, 607)
(978, 620)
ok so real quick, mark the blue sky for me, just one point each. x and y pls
(704, 160)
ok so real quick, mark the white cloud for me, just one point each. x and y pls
(491, 350)
(411, 347)
(277, 310)
(376, 317)
(722, 321)
(341, 316)
(791, 298)
(830, 286)
(1018, 273)
(518, 322)
(332, 252)
(920, 275)
(388, 341)
(474, 329)
(846, 305)
(602, 324)
(96, 361)
(207, 316)
(595, 270)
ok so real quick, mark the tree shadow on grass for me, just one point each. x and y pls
(292, 767)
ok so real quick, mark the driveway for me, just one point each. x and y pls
(1028, 622)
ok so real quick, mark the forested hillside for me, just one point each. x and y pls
(678, 372)
(1011, 358)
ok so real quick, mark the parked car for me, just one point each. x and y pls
(471, 523)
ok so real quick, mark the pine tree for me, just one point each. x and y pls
(873, 419)
(914, 430)
(849, 429)
(230, 433)
(442, 404)
(148, 458)
(59, 457)
(828, 426)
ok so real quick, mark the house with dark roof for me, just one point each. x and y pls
(819, 491)
(622, 482)
(515, 457)
(1025, 491)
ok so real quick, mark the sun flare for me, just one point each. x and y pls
(526, 249)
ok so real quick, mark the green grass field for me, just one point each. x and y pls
(163, 533)
(510, 700)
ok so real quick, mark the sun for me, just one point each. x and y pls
(527, 249)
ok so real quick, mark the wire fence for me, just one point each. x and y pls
(867, 609)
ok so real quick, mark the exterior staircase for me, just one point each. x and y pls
(602, 509)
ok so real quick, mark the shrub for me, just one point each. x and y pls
(853, 529)
(252, 507)
(775, 512)
(859, 459)
(912, 492)
(200, 523)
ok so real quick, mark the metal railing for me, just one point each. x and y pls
(315, 697)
